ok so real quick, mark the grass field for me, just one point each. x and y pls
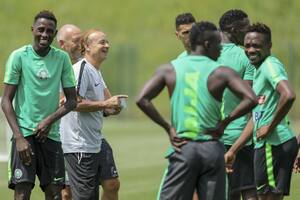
(139, 148)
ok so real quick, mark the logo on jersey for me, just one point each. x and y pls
(258, 115)
(261, 99)
(43, 74)
(18, 173)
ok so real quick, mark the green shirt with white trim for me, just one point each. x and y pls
(38, 81)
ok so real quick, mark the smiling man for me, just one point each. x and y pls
(89, 160)
(275, 144)
(32, 79)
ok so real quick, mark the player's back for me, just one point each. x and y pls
(194, 109)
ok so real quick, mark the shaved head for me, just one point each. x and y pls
(68, 38)
(66, 31)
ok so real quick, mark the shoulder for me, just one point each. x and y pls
(59, 52)
(272, 63)
(165, 68)
(22, 51)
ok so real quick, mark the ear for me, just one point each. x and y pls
(206, 44)
(31, 28)
(61, 43)
(177, 34)
(270, 45)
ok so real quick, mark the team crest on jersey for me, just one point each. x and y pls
(43, 74)
(261, 99)
(18, 173)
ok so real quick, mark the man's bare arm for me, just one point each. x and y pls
(285, 102)
(22, 146)
(151, 90)
(224, 77)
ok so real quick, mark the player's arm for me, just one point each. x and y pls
(44, 126)
(151, 90)
(285, 102)
(224, 77)
(144, 101)
(238, 144)
(22, 146)
(86, 105)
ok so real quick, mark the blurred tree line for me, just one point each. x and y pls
(141, 34)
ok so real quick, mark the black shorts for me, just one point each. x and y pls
(273, 167)
(108, 168)
(46, 162)
(87, 170)
(242, 177)
(200, 165)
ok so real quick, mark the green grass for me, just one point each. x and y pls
(138, 148)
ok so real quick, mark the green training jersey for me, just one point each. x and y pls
(193, 109)
(38, 80)
(266, 78)
(234, 57)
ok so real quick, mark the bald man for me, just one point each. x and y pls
(68, 38)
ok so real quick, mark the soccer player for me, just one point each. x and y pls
(233, 24)
(85, 153)
(183, 25)
(297, 161)
(32, 80)
(195, 84)
(68, 37)
(275, 144)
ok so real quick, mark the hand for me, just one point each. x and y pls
(112, 111)
(218, 131)
(262, 132)
(176, 141)
(113, 102)
(296, 168)
(42, 130)
(24, 150)
(229, 160)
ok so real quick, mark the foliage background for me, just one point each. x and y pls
(141, 33)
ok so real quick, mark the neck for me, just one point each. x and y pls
(228, 38)
(95, 62)
(199, 51)
(41, 52)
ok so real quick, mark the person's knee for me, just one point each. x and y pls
(249, 194)
(23, 191)
(53, 192)
(111, 185)
(66, 193)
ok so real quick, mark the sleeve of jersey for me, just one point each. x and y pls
(249, 72)
(13, 69)
(67, 77)
(275, 73)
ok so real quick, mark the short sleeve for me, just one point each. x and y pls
(249, 71)
(102, 80)
(67, 77)
(275, 72)
(83, 83)
(13, 69)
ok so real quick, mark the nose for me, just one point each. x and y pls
(44, 34)
(250, 50)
